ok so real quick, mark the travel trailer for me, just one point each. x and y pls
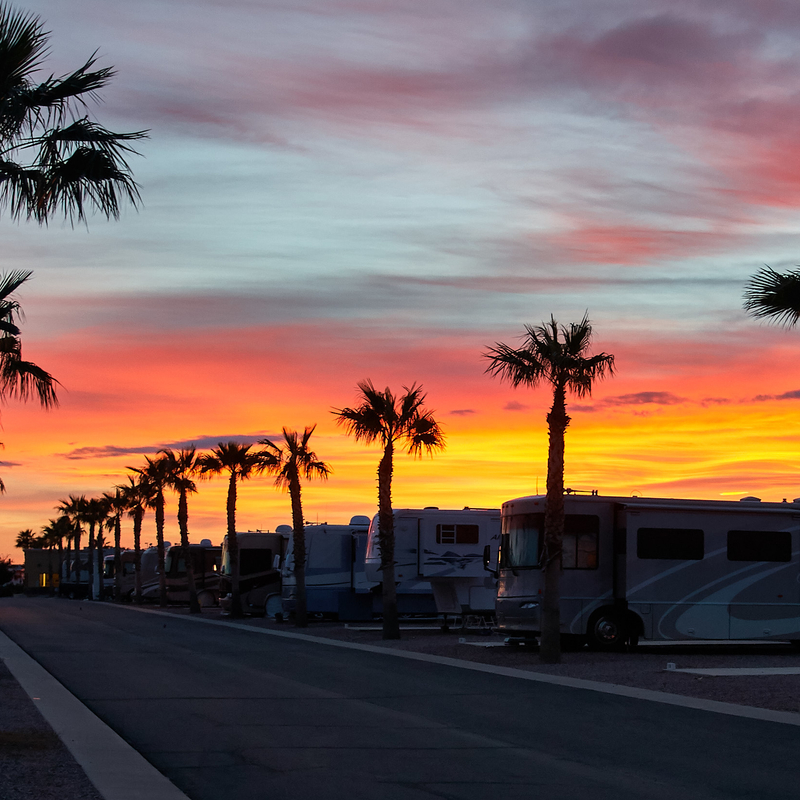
(439, 559)
(128, 582)
(336, 585)
(206, 563)
(655, 568)
(260, 555)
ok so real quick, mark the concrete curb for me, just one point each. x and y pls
(117, 771)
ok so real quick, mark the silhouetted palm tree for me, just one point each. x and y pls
(139, 496)
(69, 161)
(240, 463)
(74, 508)
(381, 417)
(155, 474)
(774, 295)
(556, 355)
(25, 539)
(289, 462)
(117, 506)
(181, 467)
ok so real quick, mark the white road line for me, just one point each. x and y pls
(734, 672)
(117, 770)
(715, 706)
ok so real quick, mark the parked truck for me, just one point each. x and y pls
(659, 569)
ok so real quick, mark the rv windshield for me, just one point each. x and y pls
(521, 536)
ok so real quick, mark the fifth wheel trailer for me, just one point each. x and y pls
(659, 569)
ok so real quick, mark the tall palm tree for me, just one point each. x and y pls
(240, 463)
(181, 468)
(94, 515)
(774, 295)
(74, 508)
(289, 462)
(139, 495)
(391, 421)
(556, 355)
(117, 506)
(55, 532)
(155, 473)
(73, 161)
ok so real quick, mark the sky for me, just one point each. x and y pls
(340, 190)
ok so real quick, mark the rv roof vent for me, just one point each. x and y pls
(359, 519)
(750, 499)
(205, 543)
(283, 529)
(431, 508)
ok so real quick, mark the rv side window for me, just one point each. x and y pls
(674, 544)
(457, 534)
(521, 536)
(759, 546)
(581, 533)
(251, 561)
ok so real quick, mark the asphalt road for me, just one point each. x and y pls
(229, 713)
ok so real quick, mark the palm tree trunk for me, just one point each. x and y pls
(66, 571)
(162, 574)
(557, 421)
(100, 544)
(90, 587)
(233, 548)
(391, 621)
(299, 547)
(183, 524)
(138, 516)
(118, 557)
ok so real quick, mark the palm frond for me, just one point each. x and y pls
(774, 296)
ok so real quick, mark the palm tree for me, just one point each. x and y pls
(181, 467)
(55, 532)
(25, 539)
(75, 162)
(155, 474)
(117, 505)
(139, 496)
(556, 355)
(774, 295)
(391, 421)
(74, 508)
(290, 462)
(240, 463)
(94, 515)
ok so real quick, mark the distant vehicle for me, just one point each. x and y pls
(206, 563)
(336, 585)
(439, 557)
(659, 569)
(260, 555)
(128, 582)
(68, 586)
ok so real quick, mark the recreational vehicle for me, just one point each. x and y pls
(336, 585)
(439, 559)
(260, 555)
(205, 562)
(128, 581)
(655, 568)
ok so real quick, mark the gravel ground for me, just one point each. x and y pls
(34, 764)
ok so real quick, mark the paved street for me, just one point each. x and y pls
(224, 712)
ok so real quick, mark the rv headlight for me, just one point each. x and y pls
(530, 605)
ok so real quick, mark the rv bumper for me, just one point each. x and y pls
(518, 614)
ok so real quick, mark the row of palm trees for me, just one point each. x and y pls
(380, 416)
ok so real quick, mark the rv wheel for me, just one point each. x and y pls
(607, 631)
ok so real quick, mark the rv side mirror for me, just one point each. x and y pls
(487, 560)
(276, 561)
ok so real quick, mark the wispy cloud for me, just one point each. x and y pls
(202, 442)
(793, 395)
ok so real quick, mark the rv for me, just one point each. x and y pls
(655, 568)
(439, 559)
(205, 561)
(336, 585)
(260, 555)
(128, 581)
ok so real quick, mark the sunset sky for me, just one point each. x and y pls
(336, 190)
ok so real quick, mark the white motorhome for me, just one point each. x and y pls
(659, 569)
(336, 585)
(439, 559)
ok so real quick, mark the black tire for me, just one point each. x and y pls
(608, 630)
